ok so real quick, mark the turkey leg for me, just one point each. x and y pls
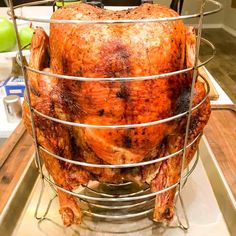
(50, 135)
(169, 172)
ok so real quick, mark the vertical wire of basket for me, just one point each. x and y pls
(185, 225)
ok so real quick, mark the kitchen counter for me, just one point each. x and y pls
(15, 155)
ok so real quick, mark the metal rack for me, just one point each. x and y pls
(100, 203)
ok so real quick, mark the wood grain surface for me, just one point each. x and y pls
(19, 149)
(11, 143)
(213, 94)
(221, 135)
(223, 66)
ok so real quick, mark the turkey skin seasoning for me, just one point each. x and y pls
(100, 54)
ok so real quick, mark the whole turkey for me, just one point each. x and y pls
(114, 51)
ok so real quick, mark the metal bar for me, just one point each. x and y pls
(135, 78)
(116, 217)
(192, 91)
(119, 207)
(189, 172)
(163, 19)
(27, 87)
(115, 166)
(109, 79)
(125, 126)
(117, 195)
(118, 185)
(124, 199)
(185, 226)
(84, 125)
(39, 201)
(82, 196)
(130, 125)
(181, 225)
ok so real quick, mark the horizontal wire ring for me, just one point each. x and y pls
(117, 166)
(138, 192)
(136, 78)
(131, 215)
(118, 184)
(117, 196)
(145, 124)
(130, 205)
(118, 207)
(152, 20)
(122, 199)
(82, 196)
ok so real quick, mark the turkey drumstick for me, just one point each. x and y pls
(49, 132)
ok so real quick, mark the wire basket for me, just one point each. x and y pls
(132, 201)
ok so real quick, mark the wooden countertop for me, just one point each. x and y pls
(15, 155)
(221, 135)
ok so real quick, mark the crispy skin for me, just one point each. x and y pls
(118, 50)
(169, 171)
(50, 135)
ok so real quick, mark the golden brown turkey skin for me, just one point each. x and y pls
(105, 51)
(169, 170)
(51, 135)
(119, 51)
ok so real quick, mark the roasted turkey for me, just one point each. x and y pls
(114, 51)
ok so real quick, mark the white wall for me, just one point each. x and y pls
(230, 15)
(193, 6)
(224, 19)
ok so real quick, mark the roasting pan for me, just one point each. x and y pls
(210, 208)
